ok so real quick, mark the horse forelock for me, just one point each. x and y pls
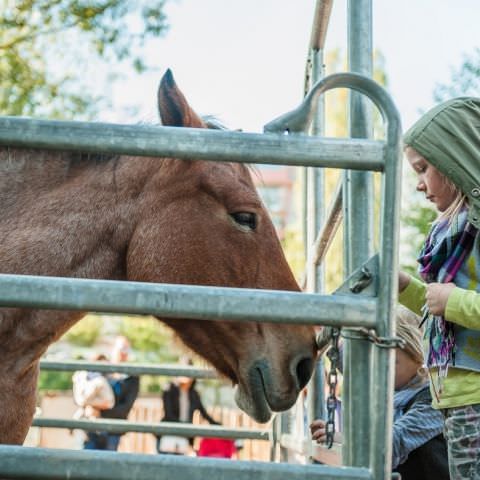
(214, 123)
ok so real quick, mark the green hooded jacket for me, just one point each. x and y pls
(448, 137)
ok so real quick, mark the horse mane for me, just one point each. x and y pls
(214, 123)
(77, 159)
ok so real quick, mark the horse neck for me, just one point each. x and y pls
(66, 214)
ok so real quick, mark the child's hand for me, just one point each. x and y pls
(437, 296)
(92, 412)
(318, 430)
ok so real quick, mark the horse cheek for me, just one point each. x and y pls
(274, 271)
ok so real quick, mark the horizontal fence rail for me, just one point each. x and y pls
(186, 301)
(191, 143)
(162, 428)
(129, 369)
(52, 464)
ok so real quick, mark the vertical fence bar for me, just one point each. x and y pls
(316, 213)
(358, 244)
(315, 185)
(383, 361)
(316, 217)
(316, 194)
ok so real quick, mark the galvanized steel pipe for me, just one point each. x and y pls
(128, 369)
(191, 143)
(162, 428)
(185, 301)
(42, 463)
(358, 239)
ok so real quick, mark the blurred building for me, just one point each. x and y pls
(275, 184)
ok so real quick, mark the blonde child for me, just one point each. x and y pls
(443, 148)
(418, 451)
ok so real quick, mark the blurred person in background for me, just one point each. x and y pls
(92, 391)
(125, 389)
(180, 401)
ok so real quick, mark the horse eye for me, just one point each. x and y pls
(246, 219)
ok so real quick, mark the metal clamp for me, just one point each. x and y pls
(363, 282)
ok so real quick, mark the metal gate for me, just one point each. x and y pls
(368, 423)
(162, 428)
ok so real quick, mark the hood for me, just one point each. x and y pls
(448, 137)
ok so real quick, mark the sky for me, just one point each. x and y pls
(244, 61)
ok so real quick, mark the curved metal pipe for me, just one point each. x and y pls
(299, 119)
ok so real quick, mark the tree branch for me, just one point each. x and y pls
(37, 34)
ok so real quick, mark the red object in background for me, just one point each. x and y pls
(216, 447)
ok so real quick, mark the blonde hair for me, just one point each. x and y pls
(408, 330)
(459, 202)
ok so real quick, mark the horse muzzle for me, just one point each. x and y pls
(261, 394)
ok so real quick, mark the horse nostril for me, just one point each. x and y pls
(304, 371)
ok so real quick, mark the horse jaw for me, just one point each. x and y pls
(259, 396)
(252, 399)
(259, 411)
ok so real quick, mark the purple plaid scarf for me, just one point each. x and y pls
(444, 252)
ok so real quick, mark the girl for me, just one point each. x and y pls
(443, 148)
(418, 450)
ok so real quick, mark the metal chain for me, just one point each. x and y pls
(371, 335)
(334, 355)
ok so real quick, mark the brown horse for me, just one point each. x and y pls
(167, 221)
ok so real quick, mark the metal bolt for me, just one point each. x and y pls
(475, 192)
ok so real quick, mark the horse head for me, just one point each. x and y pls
(210, 227)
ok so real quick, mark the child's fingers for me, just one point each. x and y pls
(319, 435)
(317, 428)
(318, 423)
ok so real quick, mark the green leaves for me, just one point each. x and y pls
(45, 45)
(465, 80)
(86, 332)
(417, 218)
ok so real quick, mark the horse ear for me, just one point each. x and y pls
(173, 107)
